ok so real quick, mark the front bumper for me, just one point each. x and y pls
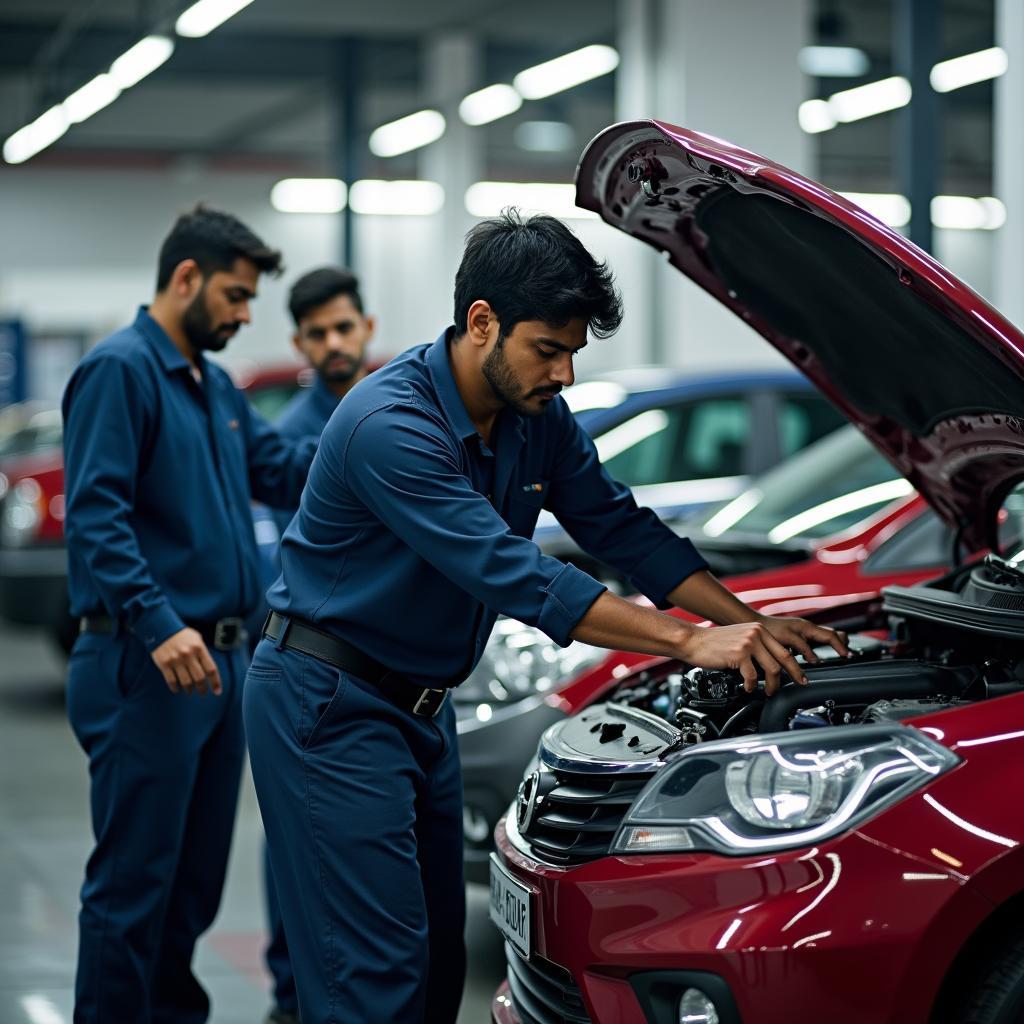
(493, 754)
(826, 934)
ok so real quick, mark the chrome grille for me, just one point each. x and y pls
(543, 992)
(575, 815)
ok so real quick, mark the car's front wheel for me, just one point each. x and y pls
(995, 994)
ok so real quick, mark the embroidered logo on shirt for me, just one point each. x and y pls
(233, 424)
(533, 487)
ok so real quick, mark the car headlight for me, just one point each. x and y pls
(520, 661)
(23, 512)
(778, 791)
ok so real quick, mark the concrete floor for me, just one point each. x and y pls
(44, 841)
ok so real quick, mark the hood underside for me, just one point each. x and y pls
(931, 373)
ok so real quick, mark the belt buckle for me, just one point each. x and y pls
(227, 634)
(425, 705)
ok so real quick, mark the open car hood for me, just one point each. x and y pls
(930, 372)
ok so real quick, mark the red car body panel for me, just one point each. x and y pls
(863, 927)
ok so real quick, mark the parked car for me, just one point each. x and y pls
(844, 851)
(33, 559)
(852, 525)
(684, 441)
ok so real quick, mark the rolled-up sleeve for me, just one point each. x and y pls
(105, 417)
(404, 466)
(601, 515)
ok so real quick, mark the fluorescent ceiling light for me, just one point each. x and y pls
(203, 17)
(407, 133)
(44, 131)
(833, 61)
(396, 198)
(489, 198)
(869, 100)
(566, 71)
(816, 116)
(91, 98)
(545, 136)
(486, 105)
(965, 213)
(309, 195)
(953, 74)
(142, 59)
(889, 208)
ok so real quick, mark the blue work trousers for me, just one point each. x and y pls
(165, 771)
(362, 807)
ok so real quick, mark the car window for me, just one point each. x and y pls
(925, 543)
(829, 486)
(804, 418)
(690, 441)
(269, 401)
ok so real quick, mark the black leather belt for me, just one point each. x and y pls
(224, 635)
(300, 636)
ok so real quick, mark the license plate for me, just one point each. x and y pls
(511, 903)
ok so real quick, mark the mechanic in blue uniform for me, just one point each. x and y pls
(162, 458)
(331, 334)
(411, 536)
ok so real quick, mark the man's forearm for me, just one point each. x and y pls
(623, 626)
(702, 594)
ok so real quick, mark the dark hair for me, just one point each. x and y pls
(534, 269)
(214, 240)
(320, 286)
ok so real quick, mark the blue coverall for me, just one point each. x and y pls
(305, 415)
(160, 470)
(410, 538)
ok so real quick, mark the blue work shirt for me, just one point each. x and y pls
(305, 415)
(159, 472)
(412, 534)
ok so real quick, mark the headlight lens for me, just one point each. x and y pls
(773, 792)
(23, 513)
(520, 661)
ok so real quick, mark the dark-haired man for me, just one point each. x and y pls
(162, 457)
(331, 333)
(411, 536)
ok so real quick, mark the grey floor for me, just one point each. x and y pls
(44, 840)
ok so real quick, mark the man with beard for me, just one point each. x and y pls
(162, 458)
(411, 536)
(331, 332)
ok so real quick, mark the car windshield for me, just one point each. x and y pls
(824, 489)
(41, 433)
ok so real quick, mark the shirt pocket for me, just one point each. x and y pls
(524, 506)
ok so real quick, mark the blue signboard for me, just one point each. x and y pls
(13, 359)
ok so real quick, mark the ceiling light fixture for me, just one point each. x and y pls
(486, 105)
(816, 116)
(142, 59)
(44, 131)
(91, 98)
(871, 99)
(833, 61)
(309, 195)
(407, 133)
(396, 198)
(203, 17)
(564, 72)
(489, 198)
(948, 75)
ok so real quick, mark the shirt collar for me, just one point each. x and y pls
(159, 341)
(444, 384)
(325, 400)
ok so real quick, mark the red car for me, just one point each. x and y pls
(848, 851)
(33, 560)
